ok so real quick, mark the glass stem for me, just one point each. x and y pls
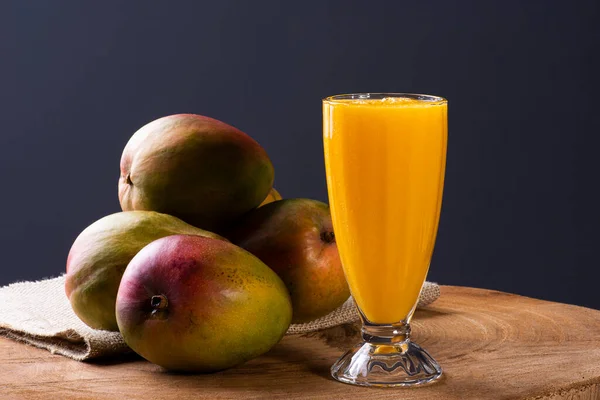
(395, 334)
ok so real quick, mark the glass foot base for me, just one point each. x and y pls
(386, 365)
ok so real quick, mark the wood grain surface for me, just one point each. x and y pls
(492, 345)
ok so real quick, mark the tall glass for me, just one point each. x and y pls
(385, 157)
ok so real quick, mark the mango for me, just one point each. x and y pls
(189, 303)
(271, 197)
(295, 238)
(196, 168)
(101, 253)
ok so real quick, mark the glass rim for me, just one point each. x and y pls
(426, 98)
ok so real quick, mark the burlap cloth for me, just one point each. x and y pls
(39, 313)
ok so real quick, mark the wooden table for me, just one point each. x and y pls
(492, 345)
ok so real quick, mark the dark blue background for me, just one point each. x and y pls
(520, 210)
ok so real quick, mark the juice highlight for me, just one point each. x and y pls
(385, 161)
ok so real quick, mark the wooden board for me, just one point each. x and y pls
(492, 345)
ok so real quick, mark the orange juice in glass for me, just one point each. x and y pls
(385, 157)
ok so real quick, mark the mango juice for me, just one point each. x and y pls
(385, 162)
